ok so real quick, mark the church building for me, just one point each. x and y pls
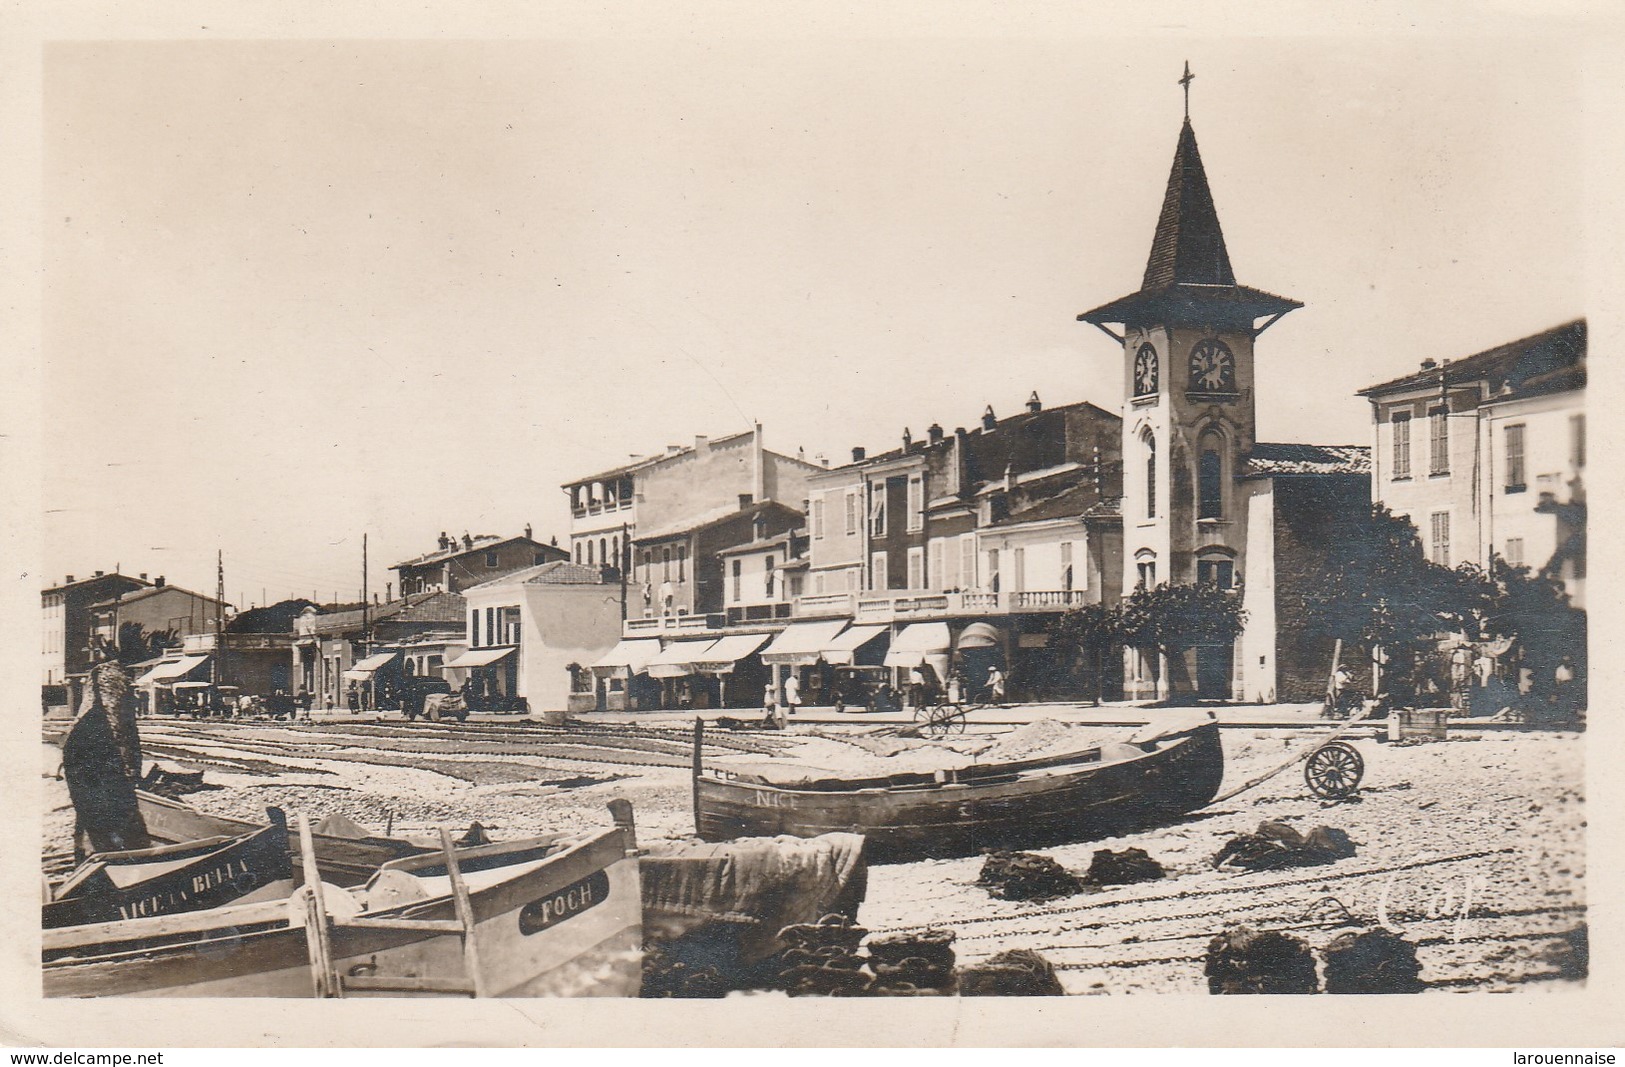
(1203, 499)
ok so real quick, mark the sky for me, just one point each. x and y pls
(298, 291)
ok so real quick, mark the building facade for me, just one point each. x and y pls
(1486, 455)
(457, 564)
(534, 634)
(611, 509)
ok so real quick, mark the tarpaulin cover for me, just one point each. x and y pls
(761, 883)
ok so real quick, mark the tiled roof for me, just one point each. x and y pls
(1008, 424)
(150, 591)
(557, 572)
(1189, 246)
(1523, 364)
(1273, 459)
(1071, 503)
(92, 580)
(481, 542)
(710, 518)
(435, 607)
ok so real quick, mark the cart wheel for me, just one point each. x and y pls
(1334, 770)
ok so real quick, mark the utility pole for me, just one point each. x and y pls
(219, 618)
(366, 623)
(623, 563)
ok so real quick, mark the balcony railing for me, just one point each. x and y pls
(912, 604)
(673, 624)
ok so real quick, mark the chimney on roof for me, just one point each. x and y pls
(389, 591)
(69, 581)
(801, 453)
(672, 450)
(445, 542)
(908, 439)
(527, 531)
(143, 576)
(823, 460)
(1430, 364)
(701, 442)
(859, 453)
(1034, 405)
(933, 433)
(375, 597)
(158, 582)
(744, 501)
(100, 573)
(468, 542)
(989, 420)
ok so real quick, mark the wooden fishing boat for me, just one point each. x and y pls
(169, 879)
(1159, 774)
(344, 860)
(555, 916)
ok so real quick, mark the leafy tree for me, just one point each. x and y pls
(1091, 633)
(1383, 592)
(136, 643)
(1170, 620)
(1534, 610)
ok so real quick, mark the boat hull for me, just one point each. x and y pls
(342, 861)
(568, 925)
(1018, 805)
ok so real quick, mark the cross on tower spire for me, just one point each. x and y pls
(1185, 83)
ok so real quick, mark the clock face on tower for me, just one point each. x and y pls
(1145, 371)
(1213, 368)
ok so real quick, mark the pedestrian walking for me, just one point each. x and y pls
(772, 714)
(995, 685)
(916, 688)
(792, 693)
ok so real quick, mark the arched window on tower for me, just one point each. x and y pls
(1150, 444)
(1210, 477)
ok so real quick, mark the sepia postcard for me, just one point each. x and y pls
(716, 526)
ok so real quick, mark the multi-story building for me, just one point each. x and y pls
(1486, 455)
(346, 654)
(159, 609)
(66, 630)
(534, 635)
(457, 564)
(681, 573)
(611, 509)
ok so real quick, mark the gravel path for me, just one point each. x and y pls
(1504, 918)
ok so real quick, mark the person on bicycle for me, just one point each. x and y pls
(995, 685)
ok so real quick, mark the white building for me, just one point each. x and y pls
(527, 629)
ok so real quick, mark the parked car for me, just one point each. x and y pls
(413, 690)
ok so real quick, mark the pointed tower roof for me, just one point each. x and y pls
(1188, 276)
(1189, 246)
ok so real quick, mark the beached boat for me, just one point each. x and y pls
(1162, 772)
(554, 916)
(171, 879)
(346, 859)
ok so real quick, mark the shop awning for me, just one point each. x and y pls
(801, 643)
(677, 658)
(727, 651)
(172, 670)
(919, 642)
(630, 656)
(197, 685)
(481, 657)
(844, 648)
(978, 635)
(364, 668)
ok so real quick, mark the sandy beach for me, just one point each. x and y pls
(1473, 848)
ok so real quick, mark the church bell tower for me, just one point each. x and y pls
(1188, 389)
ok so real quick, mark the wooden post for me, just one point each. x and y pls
(620, 809)
(325, 979)
(465, 913)
(699, 740)
(1331, 679)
